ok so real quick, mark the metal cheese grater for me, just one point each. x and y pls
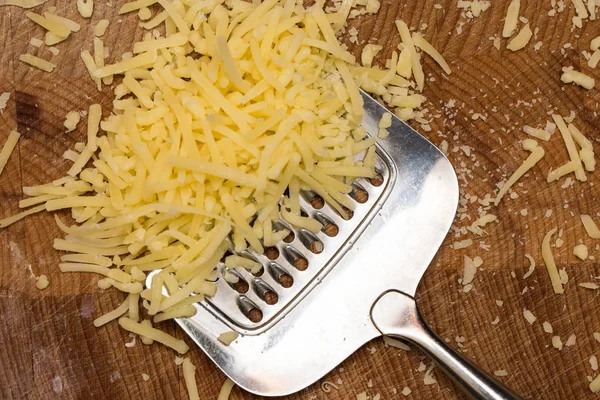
(320, 297)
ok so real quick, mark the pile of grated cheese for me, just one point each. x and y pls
(217, 127)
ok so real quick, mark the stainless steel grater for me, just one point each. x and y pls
(321, 297)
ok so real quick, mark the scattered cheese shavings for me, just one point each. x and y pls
(589, 285)
(581, 251)
(588, 223)
(228, 337)
(501, 372)
(521, 40)
(569, 75)
(145, 377)
(594, 363)
(597, 336)
(529, 316)
(550, 264)
(406, 391)
(42, 282)
(547, 327)
(571, 341)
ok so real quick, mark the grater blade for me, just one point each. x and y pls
(291, 336)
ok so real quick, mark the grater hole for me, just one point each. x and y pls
(295, 258)
(249, 309)
(329, 227)
(272, 253)
(281, 276)
(359, 194)
(265, 292)
(347, 214)
(377, 180)
(255, 315)
(289, 238)
(317, 202)
(311, 242)
(241, 286)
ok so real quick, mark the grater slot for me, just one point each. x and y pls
(265, 292)
(272, 253)
(312, 198)
(310, 241)
(240, 285)
(295, 258)
(359, 193)
(280, 275)
(330, 228)
(249, 309)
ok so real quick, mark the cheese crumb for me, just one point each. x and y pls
(547, 327)
(42, 282)
(581, 251)
(406, 391)
(228, 337)
(501, 372)
(569, 75)
(557, 343)
(521, 40)
(529, 316)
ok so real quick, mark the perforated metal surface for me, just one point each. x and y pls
(238, 307)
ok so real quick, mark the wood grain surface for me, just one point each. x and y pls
(49, 348)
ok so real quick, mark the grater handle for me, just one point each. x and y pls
(395, 314)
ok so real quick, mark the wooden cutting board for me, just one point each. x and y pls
(51, 350)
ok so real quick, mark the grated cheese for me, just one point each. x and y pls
(590, 226)
(226, 389)
(42, 282)
(511, 19)
(37, 62)
(570, 145)
(569, 75)
(396, 343)
(8, 148)
(550, 264)
(189, 375)
(521, 40)
(85, 8)
(536, 155)
(228, 337)
(100, 27)
(581, 251)
(529, 316)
